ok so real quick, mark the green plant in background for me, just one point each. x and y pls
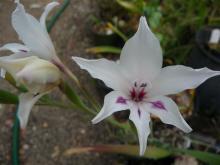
(174, 23)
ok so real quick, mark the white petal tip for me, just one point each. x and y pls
(22, 123)
(185, 128)
(141, 153)
(2, 48)
(94, 121)
(143, 26)
(76, 58)
(97, 119)
(2, 73)
(143, 21)
(73, 58)
(56, 3)
(142, 150)
(188, 130)
(18, 9)
(17, 1)
(51, 5)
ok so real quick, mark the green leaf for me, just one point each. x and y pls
(210, 158)
(7, 97)
(129, 6)
(104, 49)
(152, 152)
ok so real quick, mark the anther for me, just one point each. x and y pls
(143, 85)
(135, 84)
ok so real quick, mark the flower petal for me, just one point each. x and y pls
(14, 47)
(141, 118)
(142, 55)
(40, 72)
(47, 10)
(167, 110)
(26, 102)
(14, 63)
(174, 79)
(105, 70)
(112, 103)
(32, 33)
(2, 72)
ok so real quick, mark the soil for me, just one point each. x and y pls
(51, 131)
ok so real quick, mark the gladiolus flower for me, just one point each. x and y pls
(38, 75)
(140, 83)
(34, 64)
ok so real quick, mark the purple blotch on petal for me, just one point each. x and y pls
(158, 105)
(121, 100)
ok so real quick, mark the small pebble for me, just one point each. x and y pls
(82, 131)
(45, 124)
(26, 147)
(35, 6)
(34, 128)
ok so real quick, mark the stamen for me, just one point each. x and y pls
(143, 85)
(135, 84)
(138, 92)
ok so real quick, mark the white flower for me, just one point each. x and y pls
(33, 33)
(140, 83)
(32, 64)
(38, 75)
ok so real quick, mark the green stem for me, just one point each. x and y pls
(82, 88)
(15, 141)
(117, 31)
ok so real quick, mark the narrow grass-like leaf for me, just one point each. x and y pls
(210, 158)
(129, 5)
(7, 97)
(152, 152)
(104, 49)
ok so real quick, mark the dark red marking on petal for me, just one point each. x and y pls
(141, 95)
(158, 105)
(22, 50)
(139, 113)
(133, 93)
(121, 100)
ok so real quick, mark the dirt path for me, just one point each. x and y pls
(51, 130)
